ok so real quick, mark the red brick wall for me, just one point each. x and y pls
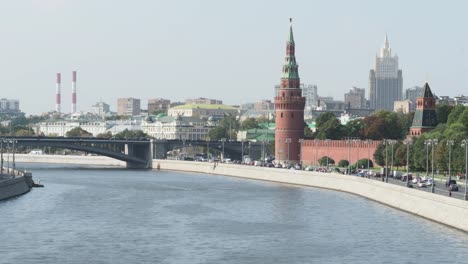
(312, 150)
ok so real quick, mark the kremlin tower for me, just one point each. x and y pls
(289, 109)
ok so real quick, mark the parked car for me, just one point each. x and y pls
(450, 182)
(453, 187)
(460, 176)
(422, 184)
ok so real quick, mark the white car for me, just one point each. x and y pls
(429, 182)
(422, 184)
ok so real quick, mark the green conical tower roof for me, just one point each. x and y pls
(290, 67)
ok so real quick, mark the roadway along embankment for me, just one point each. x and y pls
(68, 159)
(445, 210)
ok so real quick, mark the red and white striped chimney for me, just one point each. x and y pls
(57, 93)
(73, 104)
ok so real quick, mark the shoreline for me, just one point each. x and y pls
(443, 210)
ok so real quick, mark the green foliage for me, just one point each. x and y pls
(108, 134)
(307, 131)
(328, 127)
(249, 123)
(443, 111)
(379, 155)
(323, 161)
(227, 128)
(354, 128)
(362, 164)
(117, 117)
(78, 132)
(129, 134)
(343, 163)
(383, 124)
(217, 133)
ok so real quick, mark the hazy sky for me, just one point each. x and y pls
(229, 50)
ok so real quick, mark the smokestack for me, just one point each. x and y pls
(57, 93)
(73, 104)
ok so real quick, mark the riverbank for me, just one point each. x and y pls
(445, 210)
(69, 159)
(11, 186)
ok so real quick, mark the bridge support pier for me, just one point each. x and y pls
(140, 151)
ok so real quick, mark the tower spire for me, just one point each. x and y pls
(387, 45)
(291, 36)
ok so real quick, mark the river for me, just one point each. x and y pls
(109, 215)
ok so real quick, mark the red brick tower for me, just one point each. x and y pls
(289, 109)
(425, 117)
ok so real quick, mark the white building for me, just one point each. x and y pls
(101, 108)
(216, 111)
(168, 127)
(60, 128)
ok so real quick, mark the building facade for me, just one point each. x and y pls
(356, 98)
(158, 104)
(188, 128)
(215, 111)
(202, 100)
(402, 106)
(9, 105)
(128, 106)
(385, 80)
(101, 108)
(289, 109)
(412, 94)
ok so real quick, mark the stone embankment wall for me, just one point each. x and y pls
(445, 210)
(69, 159)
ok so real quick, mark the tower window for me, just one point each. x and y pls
(281, 114)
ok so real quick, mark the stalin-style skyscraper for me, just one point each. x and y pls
(289, 109)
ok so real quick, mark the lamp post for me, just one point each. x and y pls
(288, 141)
(317, 141)
(432, 142)
(407, 142)
(14, 142)
(242, 152)
(1, 158)
(328, 151)
(348, 142)
(222, 143)
(465, 144)
(301, 140)
(392, 142)
(426, 142)
(207, 148)
(368, 142)
(358, 141)
(450, 144)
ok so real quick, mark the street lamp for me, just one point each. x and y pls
(465, 144)
(222, 143)
(391, 142)
(368, 142)
(450, 144)
(385, 141)
(427, 157)
(207, 148)
(242, 152)
(317, 141)
(288, 141)
(348, 142)
(301, 140)
(328, 151)
(1, 158)
(432, 142)
(407, 142)
(358, 141)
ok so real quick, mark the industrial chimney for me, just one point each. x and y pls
(57, 93)
(73, 104)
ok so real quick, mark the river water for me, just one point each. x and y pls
(106, 215)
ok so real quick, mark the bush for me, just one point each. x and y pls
(323, 161)
(343, 163)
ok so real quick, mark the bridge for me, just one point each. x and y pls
(138, 153)
(135, 152)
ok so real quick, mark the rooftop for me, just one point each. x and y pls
(205, 106)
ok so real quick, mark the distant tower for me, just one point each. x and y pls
(73, 104)
(58, 97)
(425, 117)
(385, 80)
(289, 108)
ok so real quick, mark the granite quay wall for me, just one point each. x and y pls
(313, 150)
(445, 210)
(69, 159)
(15, 186)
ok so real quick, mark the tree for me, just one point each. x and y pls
(249, 123)
(343, 163)
(362, 163)
(307, 131)
(330, 129)
(379, 154)
(383, 124)
(323, 161)
(443, 111)
(354, 128)
(217, 133)
(131, 134)
(107, 134)
(78, 132)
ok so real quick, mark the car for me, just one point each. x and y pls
(429, 182)
(422, 184)
(450, 182)
(453, 187)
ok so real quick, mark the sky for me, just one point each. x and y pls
(228, 50)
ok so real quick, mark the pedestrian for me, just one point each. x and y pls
(450, 193)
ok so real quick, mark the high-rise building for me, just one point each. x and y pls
(128, 106)
(101, 108)
(9, 105)
(158, 104)
(412, 94)
(289, 109)
(385, 80)
(356, 98)
(309, 91)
